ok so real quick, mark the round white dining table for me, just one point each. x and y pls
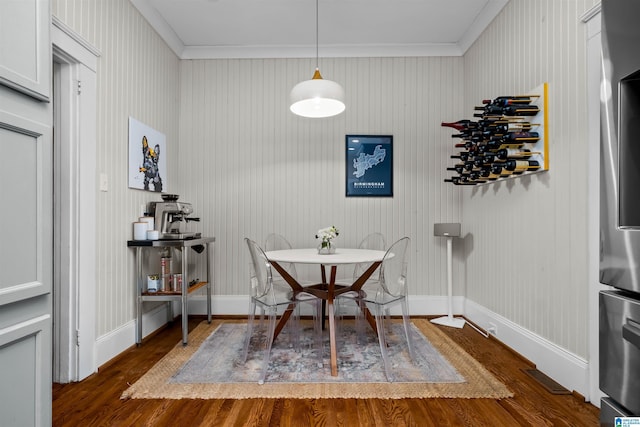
(311, 256)
(327, 290)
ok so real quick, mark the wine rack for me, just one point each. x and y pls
(508, 138)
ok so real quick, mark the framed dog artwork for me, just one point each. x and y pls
(147, 158)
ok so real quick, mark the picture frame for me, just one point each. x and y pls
(147, 158)
(369, 165)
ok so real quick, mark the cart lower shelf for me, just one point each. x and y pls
(192, 288)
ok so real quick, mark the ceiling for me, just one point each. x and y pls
(346, 28)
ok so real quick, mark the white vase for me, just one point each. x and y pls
(326, 250)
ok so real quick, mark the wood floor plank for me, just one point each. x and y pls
(96, 400)
(348, 411)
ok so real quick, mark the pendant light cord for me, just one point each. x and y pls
(317, 61)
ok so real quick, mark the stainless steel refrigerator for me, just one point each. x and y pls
(619, 323)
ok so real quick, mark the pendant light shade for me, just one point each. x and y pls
(317, 97)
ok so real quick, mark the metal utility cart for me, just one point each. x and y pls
(181, 295)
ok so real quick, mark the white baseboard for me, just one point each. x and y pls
(566, 368)
(222, 305)
(110, 345)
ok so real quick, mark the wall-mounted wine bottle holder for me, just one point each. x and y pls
(508, 138)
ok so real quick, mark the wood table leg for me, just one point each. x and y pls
(283, 320)
(332, 322)
(332, 341)
(323, 274)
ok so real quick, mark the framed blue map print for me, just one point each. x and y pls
(369, 166)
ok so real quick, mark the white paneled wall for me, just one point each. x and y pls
(250, 167)
(138, 76)
(526, 253)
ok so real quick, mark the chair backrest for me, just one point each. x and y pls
(276, 242)
(374, 241)
(393, 271)
(261, 278)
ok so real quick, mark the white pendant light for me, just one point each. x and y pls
(317, 98)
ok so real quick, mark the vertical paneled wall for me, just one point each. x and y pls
(250, 167)
(527, 258)
(138, 76)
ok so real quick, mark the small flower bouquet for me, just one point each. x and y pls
(326, 236)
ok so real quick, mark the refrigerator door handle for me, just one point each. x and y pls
(631, 332)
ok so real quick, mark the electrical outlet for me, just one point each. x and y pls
(492, 329)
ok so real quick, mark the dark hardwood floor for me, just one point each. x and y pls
(96, 400)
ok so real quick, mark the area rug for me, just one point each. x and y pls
(209, 367)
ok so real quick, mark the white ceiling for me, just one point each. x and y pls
(347, 28)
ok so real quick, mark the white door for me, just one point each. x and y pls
(25, 213)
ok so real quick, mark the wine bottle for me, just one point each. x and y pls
(484, 174)
(499, 170)
(520, 110)
(472, 148)
(469, 165)
(481, 161)
(519, 166)
(484, 159)
(510, 110)
(477, 134)
(520, 136)
(462, 155)
(478, 177)
(490, 122)
(495, 128)
(492, 175)
(461, 124)
(490, 132)
(507, 127)
(490, 110)
(512, 153)
(461, 135)
(521, 126)
(458, 168)
(495, 145)
(471, 145)
(468, 144)
(503, 101)
(456, 180)
(487, 157)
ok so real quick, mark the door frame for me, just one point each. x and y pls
(74, 334)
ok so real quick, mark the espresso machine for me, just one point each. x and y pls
(171, 216)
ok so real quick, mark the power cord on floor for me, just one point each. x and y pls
(480, 331)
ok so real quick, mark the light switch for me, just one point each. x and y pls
(104, 182)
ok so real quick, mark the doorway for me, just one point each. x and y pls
(74, 178)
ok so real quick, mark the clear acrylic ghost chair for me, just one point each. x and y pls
(374, 241)
(276, 242)
(271, 298)
(389, 290)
